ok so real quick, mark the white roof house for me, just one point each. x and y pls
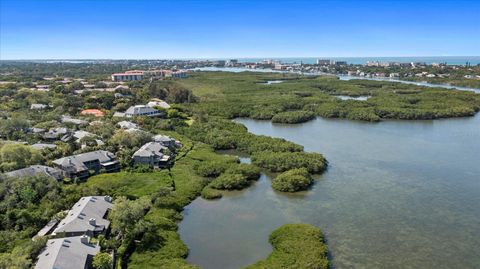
(71, 252)
(87, 216)
(158, 103)
(38, 106)
(141, 110)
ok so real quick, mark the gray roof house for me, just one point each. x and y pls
(71, 252)
(127, 125)
(56, 133)
(141, 110)
(167, 141)
(68, 119)
(152, 154)
(80, 165)
(36, 170)
(87, 216)
(40, 146)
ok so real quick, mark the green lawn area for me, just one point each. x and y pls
(132, 185)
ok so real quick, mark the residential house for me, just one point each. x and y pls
(78, 135)
(59, 133)
(141, 110)
(167, 141)
(158, 103)
(152, 154)
(41, 146)
(38, 106)
(36, 170)
(127, 125)
(72, 253)
(68, 119)
(92, 112)
(127, 76)
(81, 165)
(87, 217)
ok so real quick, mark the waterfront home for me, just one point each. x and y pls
(72, 253)
(36, 171)
(81, 166)
(88, 216)
(141, 110)
(152, 154)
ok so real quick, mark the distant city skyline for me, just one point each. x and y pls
(85, 29)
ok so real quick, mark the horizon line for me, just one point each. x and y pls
(231, 57)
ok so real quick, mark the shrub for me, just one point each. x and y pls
(209, 193)
(293, 117)
(293, 180)
(296, 246)
(229, 181)
(283, 161)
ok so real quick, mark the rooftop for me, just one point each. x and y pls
(70, 252)
(79, 217)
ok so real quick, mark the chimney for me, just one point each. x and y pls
(92, 221)
(84, 239)
(108, 198)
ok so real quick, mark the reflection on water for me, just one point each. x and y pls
(397, 194)
(358, 98)
(271, 82)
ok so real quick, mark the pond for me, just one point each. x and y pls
(271, 82)
(397, 194)
(358, 98)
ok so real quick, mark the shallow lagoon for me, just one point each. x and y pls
(397, 194)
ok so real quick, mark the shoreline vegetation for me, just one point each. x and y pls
(296, 246)
(203, 107)
(232, 95)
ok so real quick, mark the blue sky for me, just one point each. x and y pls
(83, 29)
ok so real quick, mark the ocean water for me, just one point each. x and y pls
(451, 60)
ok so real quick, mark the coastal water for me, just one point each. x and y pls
(397, 194)
(451, 60)
(341, 77)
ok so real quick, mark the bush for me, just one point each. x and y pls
(209, 193)
(283, 161)
(210, 169)
(229, 181)
(293, 117)
(247, 170)
(293, 180)
(296, 246)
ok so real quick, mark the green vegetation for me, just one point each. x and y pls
(292, 180)
(15, 156)
(102, 261)
(293, 117)
(296, 246)
(232, 95)
(283, 161)
(25, 206)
